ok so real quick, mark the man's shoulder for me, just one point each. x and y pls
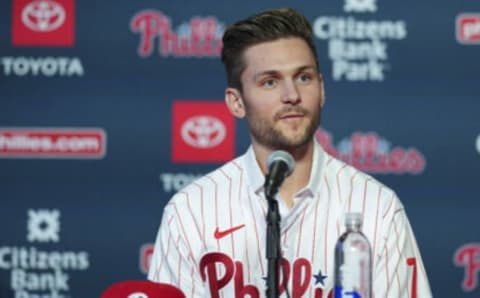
(225, 174)
(228, 171)
(358, 191)
(343, 173)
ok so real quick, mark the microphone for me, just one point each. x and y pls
(280, 164)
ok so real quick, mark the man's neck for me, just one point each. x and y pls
(300, 176)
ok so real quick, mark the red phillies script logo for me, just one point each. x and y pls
(468, 28)
(146, 253)
(200, 37)
(220, 234)
(370, 153)
(52, 143)
(218, 270)
(468, 256)
(203, 131)
(43, 23)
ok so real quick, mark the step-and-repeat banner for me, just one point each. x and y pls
(108, 108)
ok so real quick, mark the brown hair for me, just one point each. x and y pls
(266, 26)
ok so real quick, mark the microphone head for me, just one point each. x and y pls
(281, 156)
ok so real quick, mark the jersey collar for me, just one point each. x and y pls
(257, 179)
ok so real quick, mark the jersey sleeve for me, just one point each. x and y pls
(173, 261)
(399, 270)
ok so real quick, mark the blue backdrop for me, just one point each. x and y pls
(96, 132)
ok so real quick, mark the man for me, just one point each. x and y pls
(211, 241)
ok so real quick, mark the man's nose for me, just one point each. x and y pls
(291, 93)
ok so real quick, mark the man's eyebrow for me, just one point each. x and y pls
(307, 67)
(265, 73)
(275, 72)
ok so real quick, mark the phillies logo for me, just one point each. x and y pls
(43, 22)
(373, 154)
(213, 264)
(468, 256)
(200, 37)
(468, 28)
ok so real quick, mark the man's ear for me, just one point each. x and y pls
(234, 101)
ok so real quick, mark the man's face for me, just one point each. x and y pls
(282, 93)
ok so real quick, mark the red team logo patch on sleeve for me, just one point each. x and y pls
(43, 23)
(203, 131)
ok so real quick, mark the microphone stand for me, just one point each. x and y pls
(280, 164)
(273, 244)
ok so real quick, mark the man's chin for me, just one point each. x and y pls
(292, 142)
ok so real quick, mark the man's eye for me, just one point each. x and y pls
(270, 83)
(304, 78)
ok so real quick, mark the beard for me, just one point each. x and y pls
(265, 133)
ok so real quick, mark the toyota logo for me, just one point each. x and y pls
(43, 15)
(203, 131)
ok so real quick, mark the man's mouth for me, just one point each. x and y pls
(291, 117)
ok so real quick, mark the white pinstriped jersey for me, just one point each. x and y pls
(211, 241)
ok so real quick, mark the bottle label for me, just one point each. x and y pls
(354, 272)
(342, 293)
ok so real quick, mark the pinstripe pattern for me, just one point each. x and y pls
(189, 256)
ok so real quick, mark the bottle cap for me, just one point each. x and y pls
(353, 220)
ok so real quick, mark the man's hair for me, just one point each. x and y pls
(266, 26)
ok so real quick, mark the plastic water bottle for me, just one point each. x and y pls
(353, 261)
